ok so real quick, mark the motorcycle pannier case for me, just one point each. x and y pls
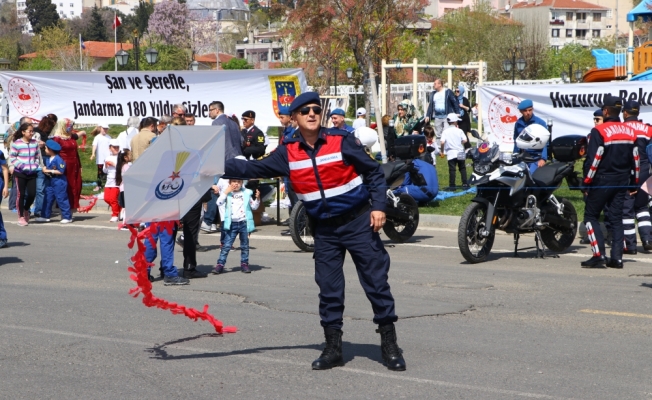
(410, 146)
(569, 148)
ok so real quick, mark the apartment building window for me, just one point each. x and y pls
(555, 48)
(609, 13)
(555, 33)
(554, 15)
(60, 4)
(608, 26)
(72, 13)
(569, 16)
(581, 17)
(569, 33)
(596, 33)
(597, 17)
(580, 33)
(72, 5)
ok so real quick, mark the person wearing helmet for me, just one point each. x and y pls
(528, 118)
(611, 156)
(452, 146)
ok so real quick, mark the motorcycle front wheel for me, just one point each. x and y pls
(557, 238)
(474, 247)
(402, 230)
(300, 229)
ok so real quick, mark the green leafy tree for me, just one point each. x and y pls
(40, 63)
(96, 30)
(170, 58)
(139, 20)
(559, 61)
(41, 14)
(237, 63)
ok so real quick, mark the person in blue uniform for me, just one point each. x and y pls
(337, 118)
(528, 118)
(57, 184)
(288, 129)
(611, 157)
(636, 205)
(343, 190)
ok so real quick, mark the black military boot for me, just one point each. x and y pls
(332, 354)
(594, 262)
(390, 351)
(647, 245)
(613, 263)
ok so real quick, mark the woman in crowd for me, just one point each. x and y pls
(406, 118)
(25, 157)
(41, 134)
(63, 134)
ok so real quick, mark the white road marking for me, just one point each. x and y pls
(617, 313)
(396, 376)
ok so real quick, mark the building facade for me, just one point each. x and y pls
(67, 9)
(566, 21)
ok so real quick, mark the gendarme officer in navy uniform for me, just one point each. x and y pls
(326, 169)
(610, 170)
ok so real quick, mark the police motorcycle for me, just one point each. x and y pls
(402, 210)
(511, 199)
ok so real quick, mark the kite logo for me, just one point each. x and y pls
(173, 184)
(24, 96)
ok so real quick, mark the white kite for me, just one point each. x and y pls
(173, 173)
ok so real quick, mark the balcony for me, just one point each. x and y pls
(557, 22)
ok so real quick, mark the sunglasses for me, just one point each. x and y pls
(306, 110)
(597, 119)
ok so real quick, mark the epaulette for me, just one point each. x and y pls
(335, 131)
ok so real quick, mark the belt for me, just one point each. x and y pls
(344, 218)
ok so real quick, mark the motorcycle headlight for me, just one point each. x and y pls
(481, 168)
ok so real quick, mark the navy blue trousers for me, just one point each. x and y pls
(372, 264)
(609, 193)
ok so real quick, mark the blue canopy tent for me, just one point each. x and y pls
(643, 10)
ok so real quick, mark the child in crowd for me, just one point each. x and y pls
(100, 152)
(429, 133)
(124, 162)
(238, 220)
(56, 184)
(112, 189)
(4, 181)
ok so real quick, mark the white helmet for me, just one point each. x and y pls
(368, 137)
(534, 137)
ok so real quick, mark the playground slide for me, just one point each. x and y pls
(599, 75)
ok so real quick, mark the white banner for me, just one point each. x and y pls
(113, 97)
(570, 106)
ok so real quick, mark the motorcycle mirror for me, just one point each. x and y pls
(475, 134)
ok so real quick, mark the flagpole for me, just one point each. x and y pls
(81, 65)
(115, 39)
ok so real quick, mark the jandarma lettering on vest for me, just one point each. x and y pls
(577, 100)
(618, 129)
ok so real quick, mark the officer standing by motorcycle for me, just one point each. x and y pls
(636, 206)
(539, 157)
(326, 168)
(611, 170)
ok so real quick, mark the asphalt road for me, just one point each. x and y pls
(510, 328)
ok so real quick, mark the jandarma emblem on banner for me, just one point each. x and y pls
(24, 96)
(173, 184)
(503, 113)
(284, 89)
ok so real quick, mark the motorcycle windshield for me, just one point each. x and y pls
(486, 154)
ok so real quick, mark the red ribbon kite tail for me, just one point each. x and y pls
(87, 208)
(144, 286)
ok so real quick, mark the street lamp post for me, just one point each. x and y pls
(569, 76)
(514, 64)
(151, 55)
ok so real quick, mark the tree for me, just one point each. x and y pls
(169, 23)
(335, 32)
(237, 63)
(139, 20)
(60, 48)
(96, 30)
(41, 14)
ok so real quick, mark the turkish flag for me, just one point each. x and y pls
(117, 22)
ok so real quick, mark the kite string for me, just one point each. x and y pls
(140, 275)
